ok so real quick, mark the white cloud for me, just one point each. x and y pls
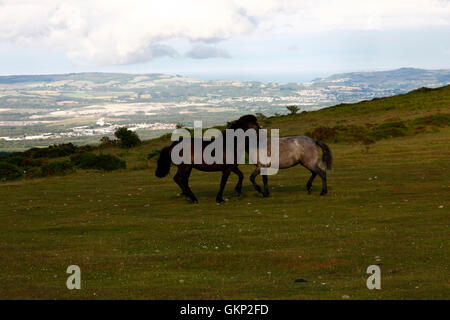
(110, 32)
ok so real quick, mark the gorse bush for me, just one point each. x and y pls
(104, 162)
(323, 133)
(33, 163)
(57, 168)
(15, 159)
(153, 155)
(9, 171)
(260, 116)
(55, 151)
(438, 120)
(352, 133)
(22, 161)
(128, 138)
(390, 130)
(107, 142)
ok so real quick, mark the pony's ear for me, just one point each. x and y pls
(231, 124)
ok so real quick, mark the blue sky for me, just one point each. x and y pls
(261, 40)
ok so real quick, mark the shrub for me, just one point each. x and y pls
(128, 138)
(57, 168)
(107, 141)
(28, 163)
(438, 120)
(9, 171)
(86, 148)
(33, 172)
(153, 154)
(55, 151)
(390, 130)
(323, 133)
(352, 133)
(99, 162)
(16, 159)
(260, 116)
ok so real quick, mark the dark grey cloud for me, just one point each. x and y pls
(203, 51)
(150, 52)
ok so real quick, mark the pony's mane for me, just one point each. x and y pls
(240, 123)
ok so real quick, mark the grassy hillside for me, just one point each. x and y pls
(133, 236)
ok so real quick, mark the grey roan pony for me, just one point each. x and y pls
(298, 150)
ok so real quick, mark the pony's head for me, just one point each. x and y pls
(245, 123)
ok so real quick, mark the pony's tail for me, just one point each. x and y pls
(164, 162)
(327, 158)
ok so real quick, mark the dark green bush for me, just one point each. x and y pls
(438, 120)
(9, 171)
(352, 133)
(154, 154)
(323, 133)
(24, 162)
(261, 116)
(99, 162)
(107, 142)
(33, 172)
(15, 159)
(128, 138)
(390, 130)
(28, 163)
(57, 168)
(55, 151)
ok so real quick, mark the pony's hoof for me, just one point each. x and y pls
(195, 201)
(219, 201)
(238, 192)
(265, 195)
(323, 193)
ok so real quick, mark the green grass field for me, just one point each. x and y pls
(134, 237)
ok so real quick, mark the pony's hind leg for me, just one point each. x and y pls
(238, 187)
(178, 178)
(186, 179)
(223, 182)
(253, 177)
(186, 186)
(310, 181)
(266, 186)
(322, 174)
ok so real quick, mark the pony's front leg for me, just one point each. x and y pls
(182, 179)
(253, 177)
(223, 182)
(238, 187)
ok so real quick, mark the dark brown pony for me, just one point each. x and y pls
(248, 122)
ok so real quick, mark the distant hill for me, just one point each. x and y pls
(37, 110)
(399, 79)
(97, 77)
